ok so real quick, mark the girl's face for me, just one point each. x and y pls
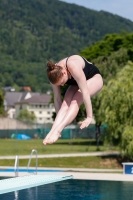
(63, 79)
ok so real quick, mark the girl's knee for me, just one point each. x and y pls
(78, 101)
(64, 105)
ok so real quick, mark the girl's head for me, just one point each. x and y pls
(54, 72)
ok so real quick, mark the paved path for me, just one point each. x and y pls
(63, 155)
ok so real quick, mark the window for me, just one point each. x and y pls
(40, 112)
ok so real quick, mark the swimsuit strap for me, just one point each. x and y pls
(67, 66)
(66, 62)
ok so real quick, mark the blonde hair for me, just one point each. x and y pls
(54, 72)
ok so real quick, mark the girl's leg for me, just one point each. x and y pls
(94, 86)
(65, 105)
(63, 110)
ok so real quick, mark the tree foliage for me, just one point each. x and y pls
(117, 103)
(109, 67)
(127, 142)
(26, 116)
(36, 30)
(110, 43)
(113, 105)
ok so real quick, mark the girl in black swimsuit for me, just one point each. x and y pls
(84, 80)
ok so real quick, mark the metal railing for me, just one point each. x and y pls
(16, 166)
(34, 150)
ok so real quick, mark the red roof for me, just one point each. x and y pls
(37, 99)
(27, 88)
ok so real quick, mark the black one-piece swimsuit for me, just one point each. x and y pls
(89, 70)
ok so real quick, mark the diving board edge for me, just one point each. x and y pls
(17, 183)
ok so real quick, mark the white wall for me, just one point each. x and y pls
(42, 112)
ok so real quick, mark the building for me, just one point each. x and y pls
(39, 105)
(13, 97)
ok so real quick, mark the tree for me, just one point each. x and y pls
(26, 116)
(127, 142)
(110, 43)
(117, 105)
(108, 66)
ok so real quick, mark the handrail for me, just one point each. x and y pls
(16, 166)
(33, 150)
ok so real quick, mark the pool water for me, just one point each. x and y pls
(30, 170)
(75, 190)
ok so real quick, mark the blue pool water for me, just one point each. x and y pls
(30, 170)
(75, 190)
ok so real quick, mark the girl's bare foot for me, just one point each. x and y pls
(52, 138)
(46, 138)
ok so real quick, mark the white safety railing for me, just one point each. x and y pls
(33, 151)
(16, 166)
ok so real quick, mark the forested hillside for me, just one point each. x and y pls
(36, 30)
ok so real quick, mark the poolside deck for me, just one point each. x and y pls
(85, 174)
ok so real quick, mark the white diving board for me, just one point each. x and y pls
(23, 182)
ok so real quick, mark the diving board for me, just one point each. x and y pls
(23, 182)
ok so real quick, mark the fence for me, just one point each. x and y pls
(67, 133)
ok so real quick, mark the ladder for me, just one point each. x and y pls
(16, 166)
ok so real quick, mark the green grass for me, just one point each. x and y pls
(21, 147)
(70, 162)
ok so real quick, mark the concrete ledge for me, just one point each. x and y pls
(82, 176)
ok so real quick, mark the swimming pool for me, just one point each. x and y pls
(30, 170)
(75, 190)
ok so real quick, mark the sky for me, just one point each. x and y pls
(123, 8)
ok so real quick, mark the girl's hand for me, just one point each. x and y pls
(86, 122)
